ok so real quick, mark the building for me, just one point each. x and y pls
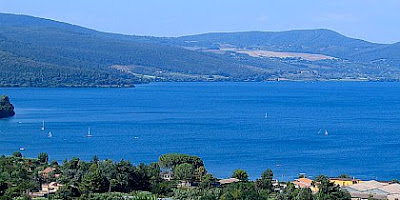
(47, 189)
(167, 176)
(278, 187)
(305, 183)
(46, 172)
(342, 182)
(393, 197)
(228, 181)
(51, 188)
(374, 189)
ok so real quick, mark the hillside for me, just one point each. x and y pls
(319, 41)
(46, 52)
(39, 52)
(321, 54)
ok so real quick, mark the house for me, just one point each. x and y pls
(393, 197)
(342, 182)
(374, 189)
(46, 172)
(278, 187)
(305, 183)
(187, 184)
(51, 188)
(167, 176)
(47, 189)
(228, 181)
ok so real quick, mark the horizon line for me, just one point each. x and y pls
(193, 34)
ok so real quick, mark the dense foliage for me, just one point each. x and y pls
(6, 108)
(102, 180)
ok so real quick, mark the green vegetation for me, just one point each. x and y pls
(21, 178)
(6, 108)
(240, 174)
(328, 190)
(44, 53)
(36, 52)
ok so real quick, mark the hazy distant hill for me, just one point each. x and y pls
(319, 41)
(42, 52)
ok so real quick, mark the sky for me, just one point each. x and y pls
(371, 20)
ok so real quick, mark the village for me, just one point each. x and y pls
(357, 188)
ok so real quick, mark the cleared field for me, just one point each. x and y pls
(274, 54)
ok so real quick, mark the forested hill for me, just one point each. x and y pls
(320, 41)
(45, 53)
(41, 52)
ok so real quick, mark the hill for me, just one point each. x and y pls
(324, 54)
(320, 41)
(40, 52)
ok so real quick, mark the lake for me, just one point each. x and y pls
(313, 128)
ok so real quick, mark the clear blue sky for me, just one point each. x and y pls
(372, 20)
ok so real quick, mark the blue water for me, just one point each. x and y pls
(223, 123)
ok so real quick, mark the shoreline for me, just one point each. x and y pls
(242, 81)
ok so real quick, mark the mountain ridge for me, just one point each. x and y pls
(84, 57)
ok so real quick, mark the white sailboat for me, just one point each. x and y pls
(266, 115)
(89, 134)
(50, 135)
(326, 132)
(43, 126)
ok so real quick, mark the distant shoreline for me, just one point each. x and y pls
(242, 81)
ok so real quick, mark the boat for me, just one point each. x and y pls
(89, 134)
(50, 134)
(266, 115)
(22, 149)
(326, 132)
(43, 126)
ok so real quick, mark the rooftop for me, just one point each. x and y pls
(228, 181)
(368, 185)
(391, 189)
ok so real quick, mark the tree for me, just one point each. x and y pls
(328, 190)
(17, 154)
(344, 176)
(267, 174)
(93, 181)
(240, 174)
(43, 158)
(241, 190)
(67, 193)
(304, 194)
(289, 193)
(173, 160)
(54, 163)
(199, 172)
(207, 181)
(95, 159)
(184, 172)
